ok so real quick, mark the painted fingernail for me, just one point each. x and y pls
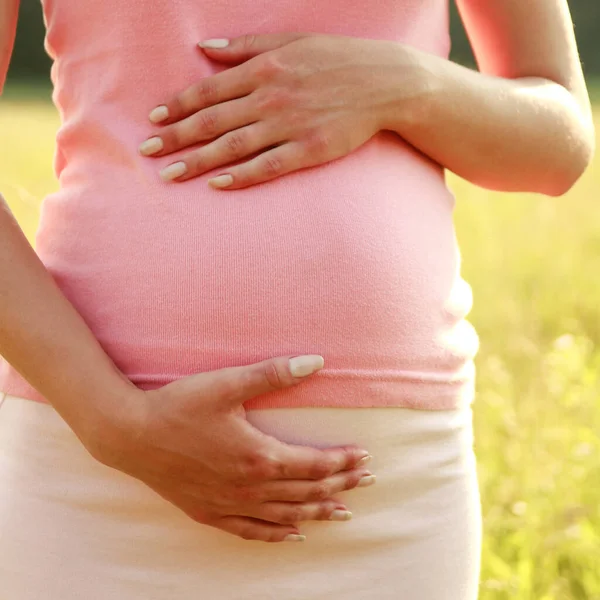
(292, 537)
(366, 480)
(340, 515)
(172, 171)
(215, 43)
(160, 113)
(301, 366)
(363, 461)
(151, 146)
(221, 181)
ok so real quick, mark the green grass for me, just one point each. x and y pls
(534, 264)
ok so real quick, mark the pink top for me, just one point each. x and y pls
(355, 260)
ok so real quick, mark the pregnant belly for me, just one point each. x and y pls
(356, 261)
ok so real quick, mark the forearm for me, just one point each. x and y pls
(9, 10)
(527, 134)
(47, 340)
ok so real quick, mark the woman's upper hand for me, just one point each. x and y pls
(190, 442)
(296, 99)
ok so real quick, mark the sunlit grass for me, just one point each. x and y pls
(534, 264)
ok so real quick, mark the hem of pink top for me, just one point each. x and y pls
(323, 391)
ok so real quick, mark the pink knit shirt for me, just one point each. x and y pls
(355, 260)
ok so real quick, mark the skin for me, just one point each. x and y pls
(330, 94)
(523, 123)
(8, 18)
(201, 454)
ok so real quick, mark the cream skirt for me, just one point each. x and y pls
(72, 528)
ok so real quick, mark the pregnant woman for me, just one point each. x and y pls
(245, 304)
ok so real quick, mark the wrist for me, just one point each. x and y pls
(411, 90)
(111, 420)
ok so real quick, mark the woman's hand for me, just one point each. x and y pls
(190, 442)
(297, 99)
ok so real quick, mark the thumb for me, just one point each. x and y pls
(233, 386)
(244, 47)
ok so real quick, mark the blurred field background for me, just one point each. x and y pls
(534, 265)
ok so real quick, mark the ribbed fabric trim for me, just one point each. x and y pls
(328, 389)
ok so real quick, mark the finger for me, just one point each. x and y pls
(235, 385)
(290, 513)
(204, 125)
(310, 491)
(254, 529)
(265, 458)
(220, 87)
(230, 147)
(303, 462)
(249, 45)
(266, 166)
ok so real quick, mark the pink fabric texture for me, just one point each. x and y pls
(355, 260)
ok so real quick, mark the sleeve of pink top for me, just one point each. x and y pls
(9, 9)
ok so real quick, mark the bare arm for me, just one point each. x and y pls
(192, 426)
(523, 123)
(45, 338)
(8, 28)
(230, 475)
(41, 333)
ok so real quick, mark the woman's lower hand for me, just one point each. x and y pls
(297, 99)
(190, 442)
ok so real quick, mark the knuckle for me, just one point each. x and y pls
(320, 469)
(208, 122)
(260, 96)
(239, 472)
(195, 162)
(292, 515)
(273, 99)
(284, 470)
(296, 514)
(196, 97)
(228, 496)
(207, 91)
(271, 375)
(319, 144)
(271, 468)
(258, 466)
(174, 136)
(236, 144)
(245, 494)
(248, 41)
(352, 480)
(245, 470)
(320, 491)
(268, 67)
(273, 166)
(324, 511)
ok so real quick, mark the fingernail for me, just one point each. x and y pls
(301, 366)
(215, 43)
(172, 171)
(151, 146)
(340, 515)
(292, 537)
(363, 461)
(366, 480)
(221, 181)
(160, 113)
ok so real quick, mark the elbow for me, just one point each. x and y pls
(573, 164)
